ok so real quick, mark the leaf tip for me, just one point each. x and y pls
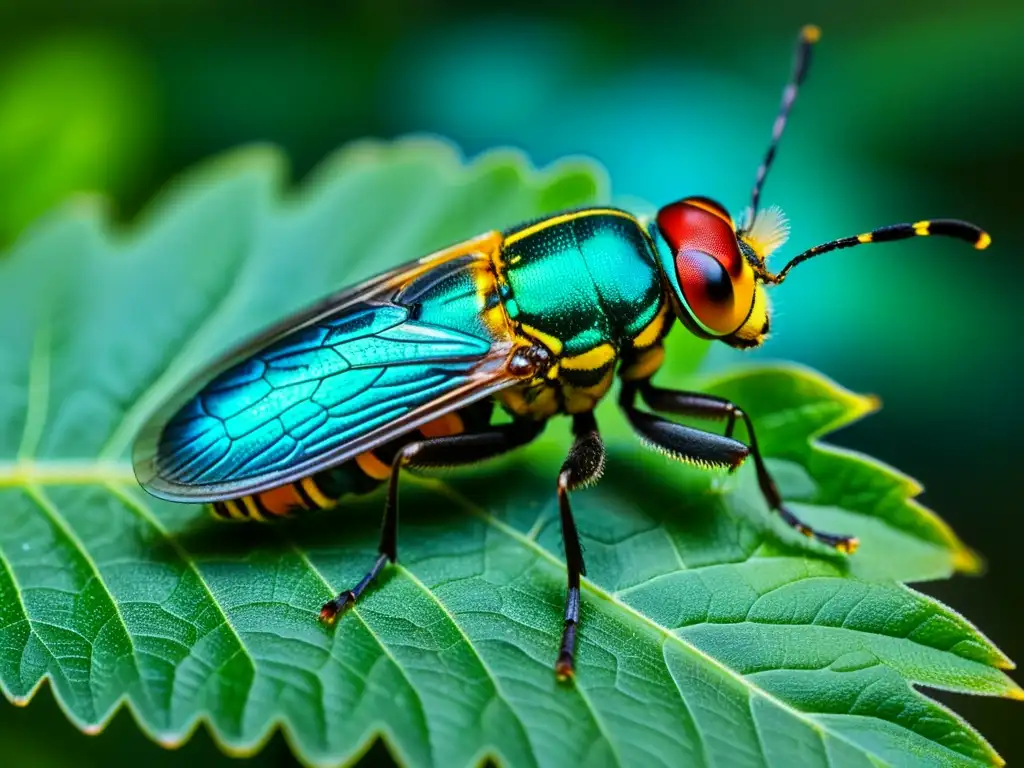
(967, 561)
(868, 404)
(1016, 693)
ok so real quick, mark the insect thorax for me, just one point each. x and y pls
(585, 286)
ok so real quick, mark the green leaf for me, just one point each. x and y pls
(711, 633)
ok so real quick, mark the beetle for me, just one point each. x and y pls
(408, 369)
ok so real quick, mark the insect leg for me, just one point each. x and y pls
(447, 451)
(711, 407)
(582, 467)
(680, 441)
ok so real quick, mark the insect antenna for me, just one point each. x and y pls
(961, 230)
(809, 35)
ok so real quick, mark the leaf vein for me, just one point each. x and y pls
(50, 510)
(143, 512)
(383, 646)
(600, 592)
(38, 393)
(134, 415)
(498, 691)
(701, 742)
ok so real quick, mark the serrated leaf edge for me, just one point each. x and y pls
(382, 732)
(856, 407)
(602, 594)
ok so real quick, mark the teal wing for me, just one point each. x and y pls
(376, 362)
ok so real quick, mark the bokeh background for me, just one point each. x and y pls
(912, 109)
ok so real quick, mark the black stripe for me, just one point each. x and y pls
(306, 499)
(589, 377)
(892, 232)
(331, 498)
(262, 508)
(220, 510)
(348, 478)
(952, 228)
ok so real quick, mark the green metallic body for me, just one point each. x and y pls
(586, 284)
(587, 281)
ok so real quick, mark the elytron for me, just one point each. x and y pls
(408, 369)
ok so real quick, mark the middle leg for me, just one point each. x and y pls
(454, 450)
(583, 466)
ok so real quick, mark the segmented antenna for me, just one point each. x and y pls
(961, 230)
(809, 35)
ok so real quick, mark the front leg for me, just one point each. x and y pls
(710, 407)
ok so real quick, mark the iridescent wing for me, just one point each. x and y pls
(364, 366)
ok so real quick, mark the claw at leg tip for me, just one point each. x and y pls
(848, 546)
(334, 608)
(564, 671)
(329, 613)
(811, 33)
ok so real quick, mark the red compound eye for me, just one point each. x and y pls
(716, 282)
(709, 292)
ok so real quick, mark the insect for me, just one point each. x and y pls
(408, 369)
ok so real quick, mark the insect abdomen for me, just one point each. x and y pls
(319, 491)
(353, 478)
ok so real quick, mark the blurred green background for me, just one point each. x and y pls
(911, 110)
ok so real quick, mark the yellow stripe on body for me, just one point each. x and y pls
(553, 343)
(314, 493)
(653, 330)
(532, 402)
(372, 466)
(645, 365)
(485, 280)
(921, 228)
(582, 399)
(252, 509)
(590, 360)
(566, 217)
(233, 510)
(865, 238)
